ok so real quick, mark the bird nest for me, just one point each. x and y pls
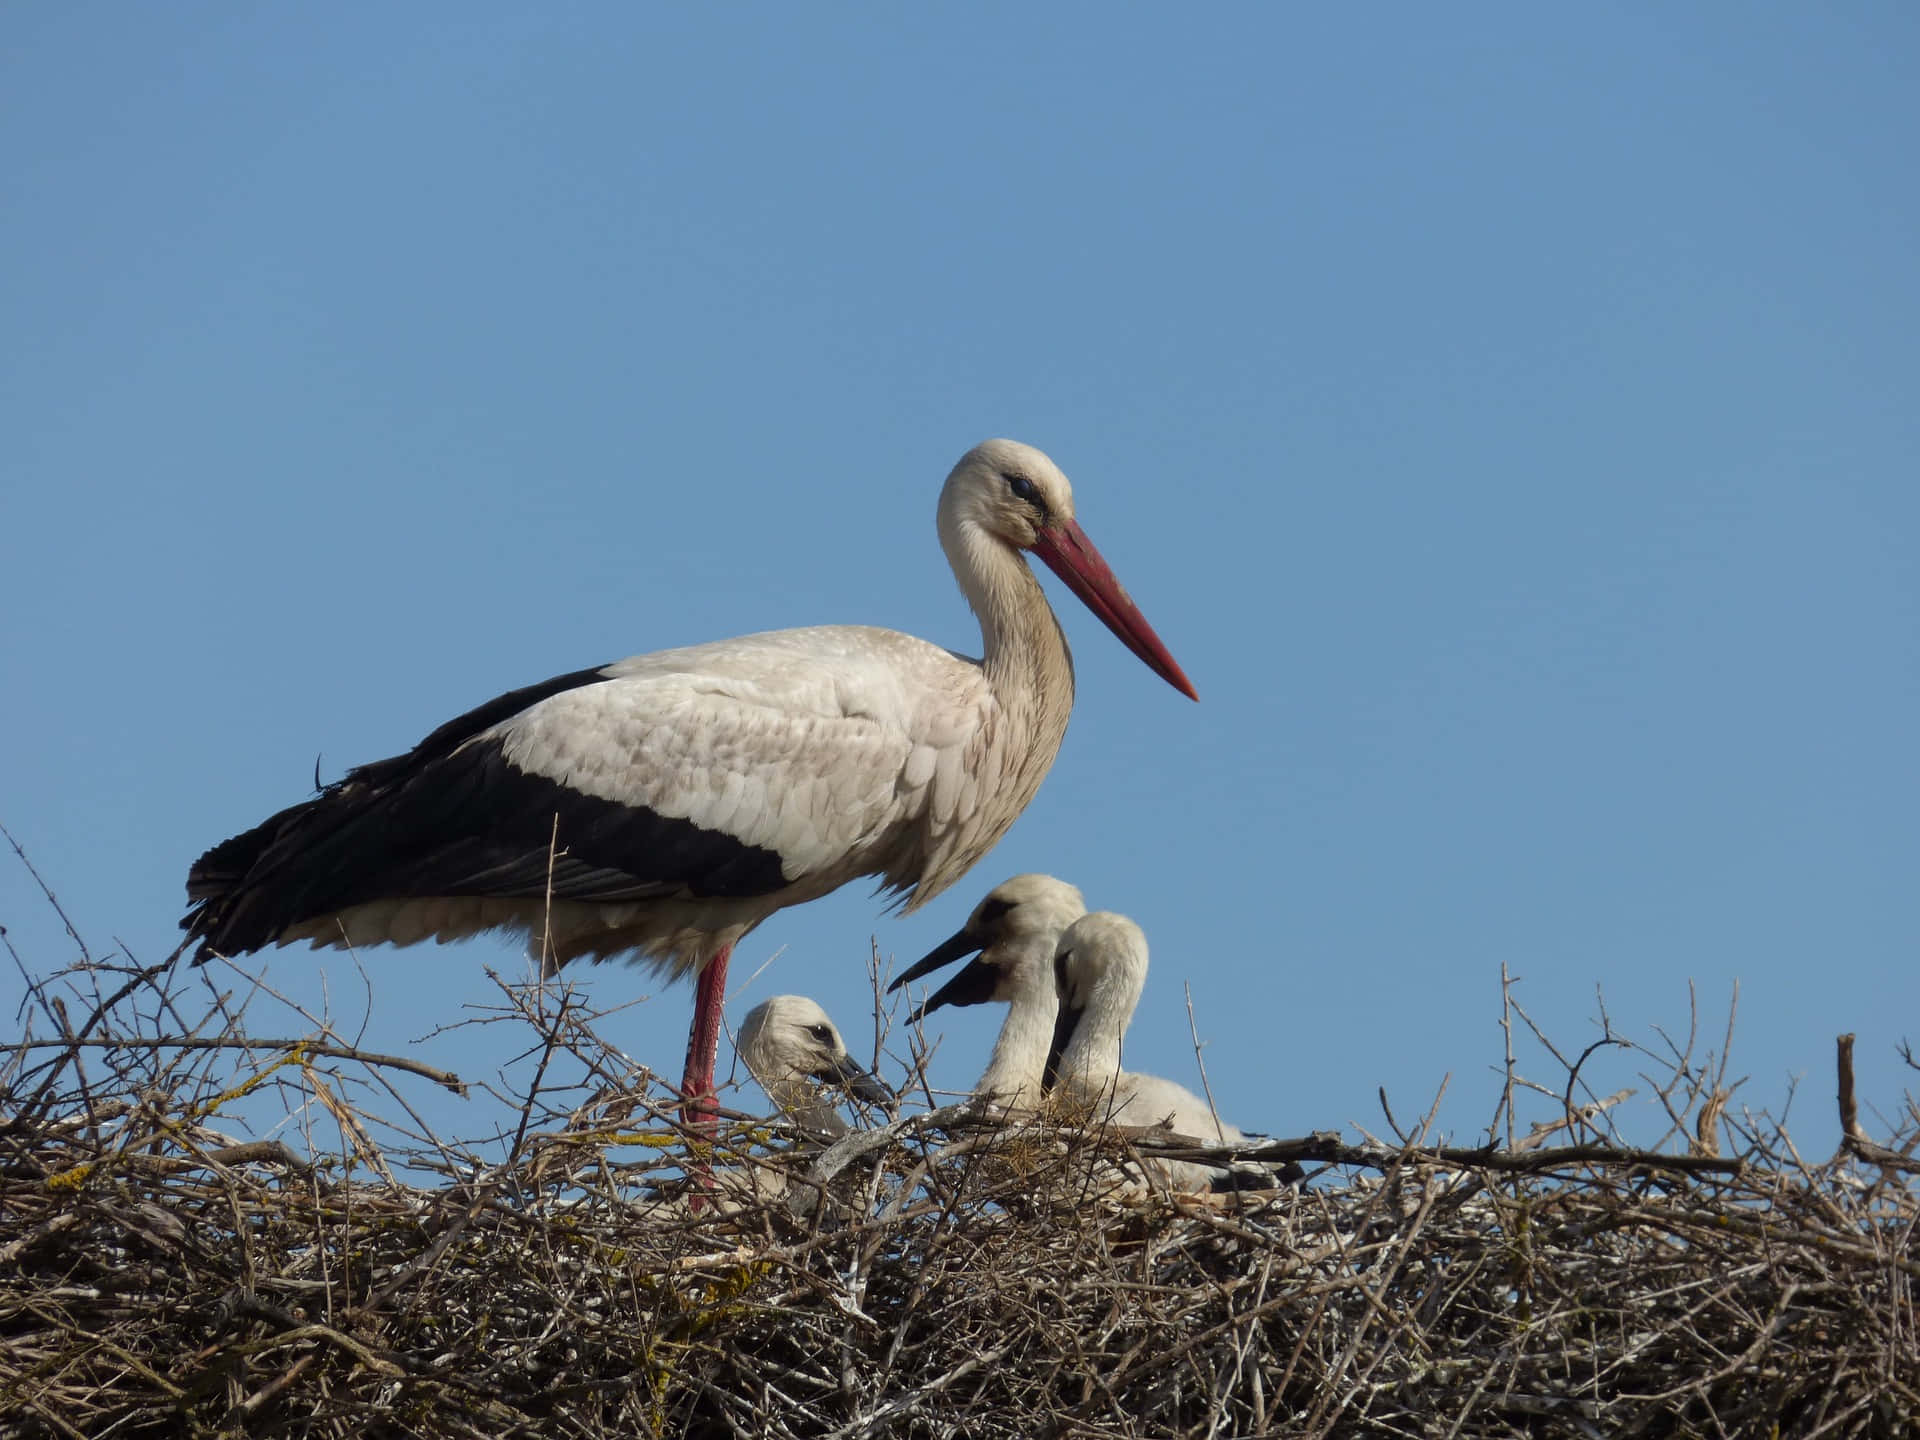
(592, 1269)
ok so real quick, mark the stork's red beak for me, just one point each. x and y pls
(1072, 556)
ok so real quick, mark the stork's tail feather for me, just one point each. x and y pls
(215, 873)
(225, 916)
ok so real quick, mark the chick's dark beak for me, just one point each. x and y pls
(954, 947)
(855, 1079)
(974, 985)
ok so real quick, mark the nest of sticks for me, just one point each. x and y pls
(588, 1268)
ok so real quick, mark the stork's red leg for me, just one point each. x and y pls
(703, 1042)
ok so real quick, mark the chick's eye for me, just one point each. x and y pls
(822, 1033)
(991, 913)
(1022, 489)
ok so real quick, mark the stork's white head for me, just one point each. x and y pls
(1100, 969)
(1015, 929)
(1004, 496)
(1026, 906)
(789, 1044)
(1012, 491)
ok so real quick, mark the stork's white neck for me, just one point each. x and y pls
(1026, 663)
(1092, 1057)
(1024, 650)
(1091, 1060)
(1019, 1060)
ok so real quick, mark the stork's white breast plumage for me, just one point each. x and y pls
(664, 805)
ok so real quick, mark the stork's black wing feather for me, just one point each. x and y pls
(454, 816)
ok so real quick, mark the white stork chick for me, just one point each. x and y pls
(1100, 968)
(1016, 929)
(795, 1053)
(661, 807)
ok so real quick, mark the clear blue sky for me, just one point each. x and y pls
(1507, 415)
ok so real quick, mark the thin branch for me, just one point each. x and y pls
(1193, 1029)
(444, 1078)
(52, 899)
(1849, 1111)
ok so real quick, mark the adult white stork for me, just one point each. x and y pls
(665, 805)
(1016, 929)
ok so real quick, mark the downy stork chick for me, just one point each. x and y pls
(796, 1055)
(663, 806)
(1016, 929)
(1100, 969)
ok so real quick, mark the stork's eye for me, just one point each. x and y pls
(822, 1033)
(1022, 489)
